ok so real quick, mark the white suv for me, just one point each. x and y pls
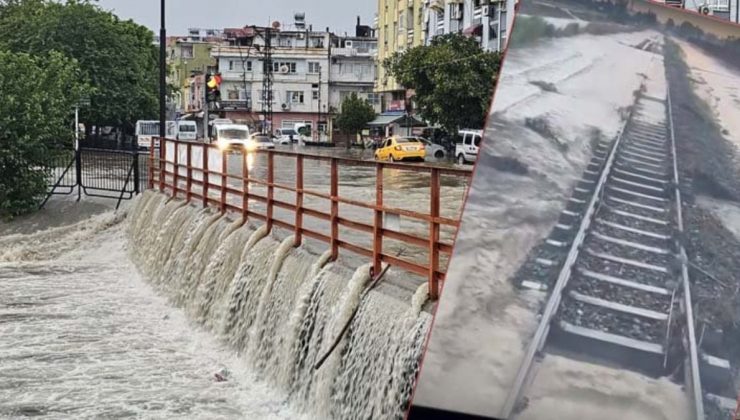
(467, 145)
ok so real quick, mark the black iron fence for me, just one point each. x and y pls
(106, 173)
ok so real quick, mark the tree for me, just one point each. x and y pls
(453, 80)
(117, 57)
(38, 95)
(356, 113)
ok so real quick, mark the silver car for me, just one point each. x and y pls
(434, 150)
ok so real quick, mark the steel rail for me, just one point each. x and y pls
(553, 302)
(696, 389)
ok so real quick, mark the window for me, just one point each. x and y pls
(314, 67)
(315, 95)
(238, 65)
(285, 42)
(279, 67)
(373, 98)
(317, 42)
(295, 97)
(186, 51)
(347, 68)
(492, 30)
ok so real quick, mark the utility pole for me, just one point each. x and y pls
(318, 120)
(206, 131)
(267, 82)
(162, 79)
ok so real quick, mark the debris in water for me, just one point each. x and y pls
(222, 375)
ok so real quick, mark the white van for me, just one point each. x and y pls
(467, 145)
(145, 130)
(286, 135)
(187, 130)
(231, 136)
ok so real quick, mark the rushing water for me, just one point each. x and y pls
(282, 308)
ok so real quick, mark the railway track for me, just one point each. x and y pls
(614, 266)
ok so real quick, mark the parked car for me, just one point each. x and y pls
(468, 144)
(260, 142)
(231, 136)
(401, 148)
(433, 150)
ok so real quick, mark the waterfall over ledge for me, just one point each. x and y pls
(282, 308)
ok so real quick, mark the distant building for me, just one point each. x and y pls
(403, 25)
(313, 71)
(399, 27)
(187, 57)
(488, 21)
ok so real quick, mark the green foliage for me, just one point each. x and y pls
(38, 94)
(116, 57)
(356, 113)
(453, 80)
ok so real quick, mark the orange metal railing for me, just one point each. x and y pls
(195, 181)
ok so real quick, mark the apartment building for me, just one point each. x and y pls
(399, 26)
(188, 57)
(402, 24)
(313, 71)
(487, 21)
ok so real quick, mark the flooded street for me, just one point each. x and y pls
(84, 337)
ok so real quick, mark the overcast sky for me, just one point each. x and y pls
(339, 15)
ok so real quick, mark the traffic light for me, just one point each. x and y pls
(213, 87)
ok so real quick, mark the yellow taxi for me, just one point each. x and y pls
(397, 149)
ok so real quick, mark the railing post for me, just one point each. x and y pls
(298, 201)
(206, 180)
(137, 175)
(434, 236)
(189, 169)
(245, 187)
(162, 163)
(224, 162)
(270, 188)
(378, 220)
(151, 165)
(176, 168)
(78, 172)
(334, 209)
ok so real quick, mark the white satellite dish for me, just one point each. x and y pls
(284, 69)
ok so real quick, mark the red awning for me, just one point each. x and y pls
(473, 30)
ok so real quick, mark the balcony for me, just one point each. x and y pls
(477, 14)
(236, 105)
